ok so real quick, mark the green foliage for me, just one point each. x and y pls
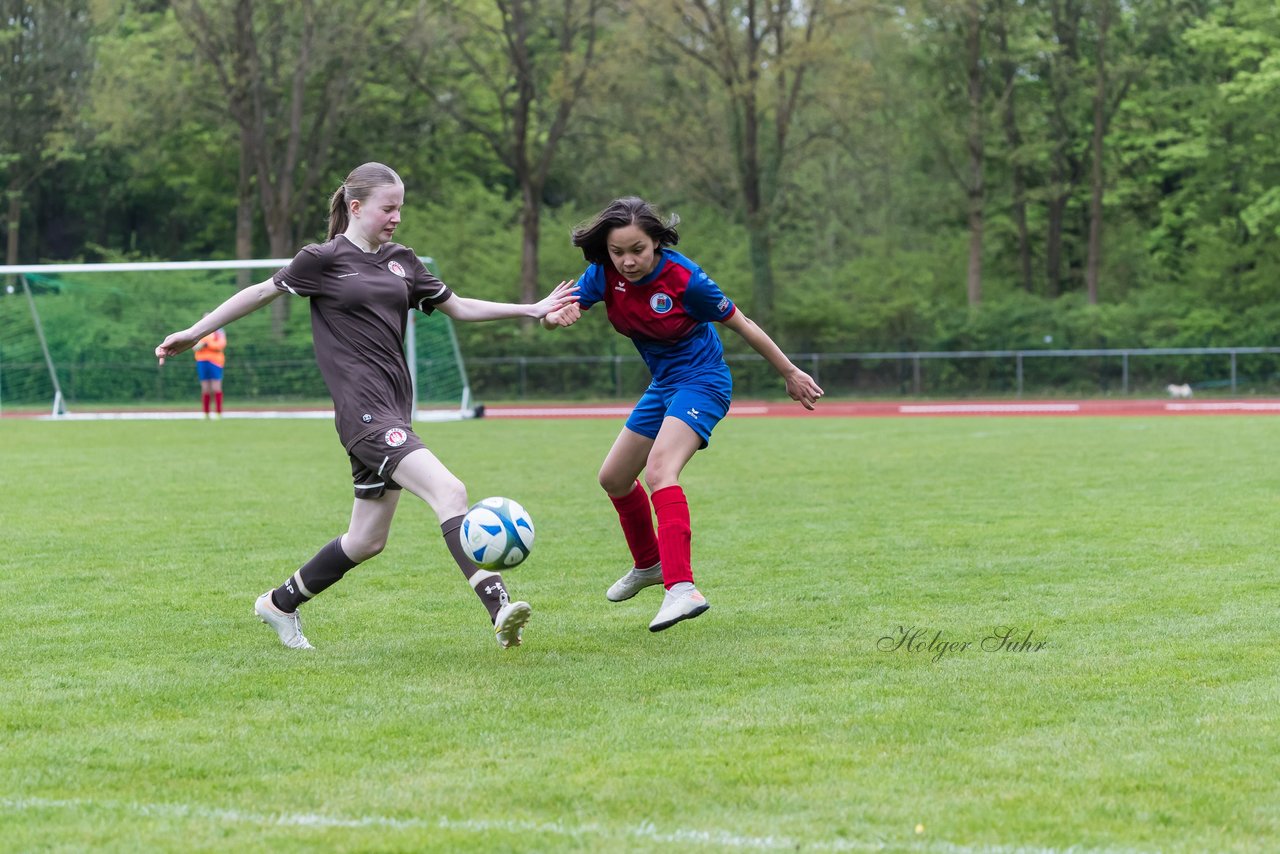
(868, 227)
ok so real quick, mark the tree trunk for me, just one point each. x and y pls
(244, 211)
(281, 247)
(757, 215)
(1020, 221)
(760, 248)
(14, 221)
(1053, 245)
(975, 250)
(530, 212)
(1013, 136)
(976, 190)
(1094, 262)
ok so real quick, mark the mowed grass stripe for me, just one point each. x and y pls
(1141, 551)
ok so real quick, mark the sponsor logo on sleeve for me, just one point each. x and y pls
(723, 305)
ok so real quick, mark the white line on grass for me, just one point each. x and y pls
(943, 408)
(646, 831)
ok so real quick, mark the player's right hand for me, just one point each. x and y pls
(178, 342)
(565, 316)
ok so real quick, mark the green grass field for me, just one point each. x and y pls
(143, 707)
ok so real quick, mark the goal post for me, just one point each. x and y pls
(77, 341)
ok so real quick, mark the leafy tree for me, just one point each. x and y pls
(756, 57)
(285, 72)
(512, 74)
(45, 62)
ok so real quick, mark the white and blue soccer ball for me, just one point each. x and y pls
(497, 533)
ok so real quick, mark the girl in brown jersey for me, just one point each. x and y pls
(361, 285)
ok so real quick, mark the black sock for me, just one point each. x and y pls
(487, 585)
(321, 572)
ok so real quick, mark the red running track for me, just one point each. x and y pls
(889, 409)
(826, 409)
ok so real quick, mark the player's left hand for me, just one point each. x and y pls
(564, 294)
(801, 387)
(178, 342)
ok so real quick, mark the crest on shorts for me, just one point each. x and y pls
(395, 437)
(395, 267)
(660, 303)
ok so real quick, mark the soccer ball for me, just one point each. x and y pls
(497, 533)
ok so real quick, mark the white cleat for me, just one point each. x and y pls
(287, 626)
(633, 582)
(508, 626)
(682, 602)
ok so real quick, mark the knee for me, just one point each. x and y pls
(613, 483)
(655, 479)
(360, 549)
(453, 499)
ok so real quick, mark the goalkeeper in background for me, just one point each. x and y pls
(211, 359)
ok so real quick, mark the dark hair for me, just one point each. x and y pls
(362, 181)
(591, 237)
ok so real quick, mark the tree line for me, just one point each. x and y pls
(859, 175)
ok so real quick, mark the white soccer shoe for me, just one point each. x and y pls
(633, 582)
(682, 602)
(287, 626)
(508, 626)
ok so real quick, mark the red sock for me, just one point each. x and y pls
(204, 401)
(675, 539)
(217, 397)
(636, 518)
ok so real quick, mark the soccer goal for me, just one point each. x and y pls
(78, 341)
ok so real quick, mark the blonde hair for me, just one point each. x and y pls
(358, 186)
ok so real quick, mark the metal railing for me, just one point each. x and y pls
(965, 373)
(912, 368)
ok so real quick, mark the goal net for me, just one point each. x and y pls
(78, 341)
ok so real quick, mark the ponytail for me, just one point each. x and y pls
(339, 217)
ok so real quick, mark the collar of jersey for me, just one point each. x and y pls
(376, 253)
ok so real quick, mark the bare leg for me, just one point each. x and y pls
(426, 477)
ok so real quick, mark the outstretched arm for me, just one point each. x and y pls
(564, 316)
(237, 306)
(467, 309)
(800, 386)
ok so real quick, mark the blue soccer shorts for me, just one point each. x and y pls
(699, 406)
(208, 371)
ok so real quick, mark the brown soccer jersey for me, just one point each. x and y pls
(360, 305)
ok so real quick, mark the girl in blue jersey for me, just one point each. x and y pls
(665, 304)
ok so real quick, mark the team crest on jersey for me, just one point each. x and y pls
(395, 437)
(395, 267)
(661, 303)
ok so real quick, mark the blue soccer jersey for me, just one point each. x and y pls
(667, 315)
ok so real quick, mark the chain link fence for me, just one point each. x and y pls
(1006, 373)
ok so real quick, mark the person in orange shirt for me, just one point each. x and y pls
(211, 358)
